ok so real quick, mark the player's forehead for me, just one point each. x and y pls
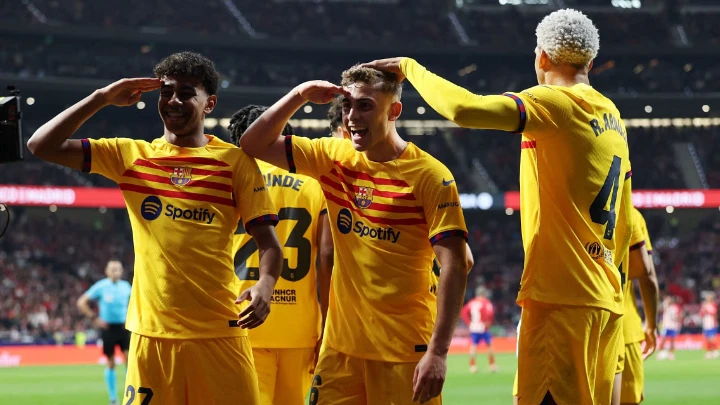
(181, 82)
(361, 91)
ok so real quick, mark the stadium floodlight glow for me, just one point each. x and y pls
(52, 208)
(30, 100)
(706, 108)
(102, 210)
(224, 122)
(669, 209)
(421, 110)
(140, 105)
(211, 122)
(648, 109)
(509, 211)
(307, 109)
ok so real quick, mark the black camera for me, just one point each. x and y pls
(11, 142)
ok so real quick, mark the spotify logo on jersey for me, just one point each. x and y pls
(151, 208)
(344, 221)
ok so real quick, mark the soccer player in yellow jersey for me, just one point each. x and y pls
(337, 129)
(391, 206)
(639, 342)
(185, 193)
(284, 347)
(573, 187)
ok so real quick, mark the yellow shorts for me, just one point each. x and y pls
(198, 371)
(515, 385)
(284, 375)
(633, 378)
(621, 358)
(568, 351)
(345, 380)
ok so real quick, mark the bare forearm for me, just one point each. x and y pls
(55, 132)
(271, 262)
(649, 291)
(85, 309)
(451, 292)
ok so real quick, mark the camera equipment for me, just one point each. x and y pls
(11, 143)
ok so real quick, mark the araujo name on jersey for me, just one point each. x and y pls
(610, 124)
(345, 219)
(151, 208)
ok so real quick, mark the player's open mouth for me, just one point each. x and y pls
(174, 115)
(358, 131)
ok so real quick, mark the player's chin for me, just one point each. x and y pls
(360, 143)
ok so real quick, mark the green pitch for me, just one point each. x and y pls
(688, 380)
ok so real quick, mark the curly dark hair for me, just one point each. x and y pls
(190, 64)
(335, 114)
(244, 117)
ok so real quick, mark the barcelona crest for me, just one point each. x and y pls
(181, 176)
(363, 198)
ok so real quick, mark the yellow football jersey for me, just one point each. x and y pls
(632, 323)
(294, 320)
(184, 205)
(573, 165)
(385, 217)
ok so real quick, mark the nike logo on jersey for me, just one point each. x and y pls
(447, 183)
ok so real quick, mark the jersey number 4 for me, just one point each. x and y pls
(296, 240)
(597, 208)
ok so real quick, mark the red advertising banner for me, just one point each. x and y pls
(62, 196)
(653, 199)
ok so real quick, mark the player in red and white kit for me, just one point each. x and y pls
(672, 321)
(478, 314)
(709, 315)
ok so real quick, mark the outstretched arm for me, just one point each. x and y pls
(50, 142)
(263, 139)
(453, 102)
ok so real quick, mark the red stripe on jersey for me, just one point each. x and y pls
(377, 220)
(637, 245)
(220, 173)
(528, 145)
(176, 194)
(375, 205)
(192, 159)
(376, 180)
(379, 193)
(166, 180)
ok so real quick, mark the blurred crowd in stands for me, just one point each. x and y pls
(491, 156)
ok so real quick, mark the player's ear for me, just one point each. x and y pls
(590, 65)
(395, 110)
(210, 104)
(544, 61)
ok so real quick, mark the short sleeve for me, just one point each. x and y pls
(311, 157)
(323, 206)
(252, 195)
(542, 109)
(95, 291)
(441, 204)
(106, 156)
(643, 226)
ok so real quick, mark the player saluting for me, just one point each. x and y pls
(573, 170)
(184, 192)
(112, 295)
(286, 345)
(392, 207)
(478, 314)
